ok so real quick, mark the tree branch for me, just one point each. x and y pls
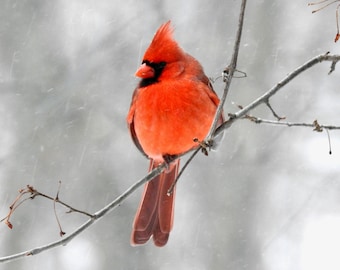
(95, 217)
(228, 73)
(266, 96)
(315, 124)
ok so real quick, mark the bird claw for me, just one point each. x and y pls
(205, 145)
(168, 159)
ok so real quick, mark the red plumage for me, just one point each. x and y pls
(173, 104)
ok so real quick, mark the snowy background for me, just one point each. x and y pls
(268, 199)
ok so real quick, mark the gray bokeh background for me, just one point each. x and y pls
(268, 199)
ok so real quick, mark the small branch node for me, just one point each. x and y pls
(204, 145)
(317, 126)
(254, 119)
(226, 74)
(231, 116)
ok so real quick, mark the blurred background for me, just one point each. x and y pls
(269, 198)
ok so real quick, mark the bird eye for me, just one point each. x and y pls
(162, 65)
(146, 62)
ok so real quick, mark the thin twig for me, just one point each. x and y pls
(329, 142)
(258, 120)
(337, 36)
(171, 189)
(273, 111)
(317, 3)
(56, 199)
(229, 72)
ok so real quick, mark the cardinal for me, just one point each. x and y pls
(172, 110)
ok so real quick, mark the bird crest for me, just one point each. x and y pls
(163, 47)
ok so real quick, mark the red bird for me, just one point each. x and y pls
(173, 103)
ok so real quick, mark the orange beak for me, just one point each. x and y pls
(145, 72)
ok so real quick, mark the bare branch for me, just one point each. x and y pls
(228, 73)
(315, 124)
(56, 199)
(30, 192)
(266, 96)
(97, 216)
